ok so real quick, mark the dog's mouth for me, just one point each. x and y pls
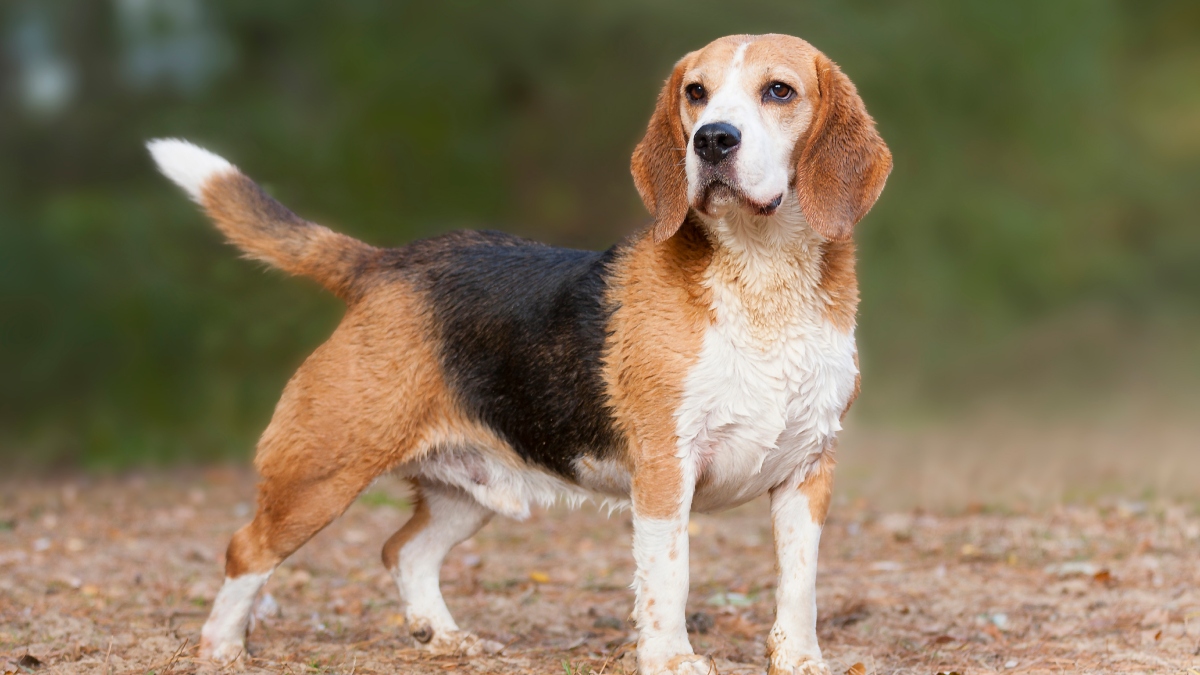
(719, 194)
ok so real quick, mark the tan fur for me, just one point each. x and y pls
(818, 487)
(418, 521)
(657, 163)
(857, 388)
(839, 284)
(356, 408)
(269, 232)
(843, 163)
(661, 313)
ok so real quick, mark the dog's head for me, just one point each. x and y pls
(748, 122)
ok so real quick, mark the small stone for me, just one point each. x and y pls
(610, 622)
(699, 622)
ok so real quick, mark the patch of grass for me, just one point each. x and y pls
(377, 498)
(571, 669)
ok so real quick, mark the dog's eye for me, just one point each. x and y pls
(696, 93)
(779, 91)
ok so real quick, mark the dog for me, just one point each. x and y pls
(699, 363)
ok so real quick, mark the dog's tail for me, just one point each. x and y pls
(260, 226)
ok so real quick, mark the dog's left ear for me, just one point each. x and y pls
(843, 163)
(657, 164)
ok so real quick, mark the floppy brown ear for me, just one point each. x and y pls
(844, 163)
(657, 164)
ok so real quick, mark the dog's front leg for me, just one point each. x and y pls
(798, 508)
(662, 501)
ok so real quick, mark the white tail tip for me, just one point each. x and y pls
(189, 166)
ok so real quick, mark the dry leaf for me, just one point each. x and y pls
(857, 669)
(539, 577)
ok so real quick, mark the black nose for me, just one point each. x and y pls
(713, 142)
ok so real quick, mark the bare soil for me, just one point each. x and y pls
(117, 575)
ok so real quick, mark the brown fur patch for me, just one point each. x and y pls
(418, 521)
(839, 284)
(657, 163)
(660, 314)
(857, 387)
(368, 399)
(266, 230)
(818, 487)
(842, 162)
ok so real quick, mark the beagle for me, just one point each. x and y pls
(697, 364)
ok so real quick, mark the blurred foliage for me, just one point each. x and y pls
(1047, 167)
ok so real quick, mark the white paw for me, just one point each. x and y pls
(684, 664)
(801, 666)
(224, 653)
(451, 642)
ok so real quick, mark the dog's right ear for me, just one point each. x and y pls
(657, 165)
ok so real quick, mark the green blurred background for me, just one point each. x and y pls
(1036, 248)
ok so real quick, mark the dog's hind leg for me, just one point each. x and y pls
(289, 514)
(444, 516)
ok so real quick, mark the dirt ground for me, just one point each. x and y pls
(116, 576)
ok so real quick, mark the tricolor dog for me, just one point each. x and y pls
(697, 364)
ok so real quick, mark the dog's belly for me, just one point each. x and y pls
(751, 415)
(755, 413)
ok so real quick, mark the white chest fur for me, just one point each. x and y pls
(774, 374)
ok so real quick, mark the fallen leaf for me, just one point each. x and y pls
(850, 614)
(857, 669)
(539, 577)
(739, 626)
(299, 578)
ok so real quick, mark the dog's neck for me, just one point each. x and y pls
(768, 268)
